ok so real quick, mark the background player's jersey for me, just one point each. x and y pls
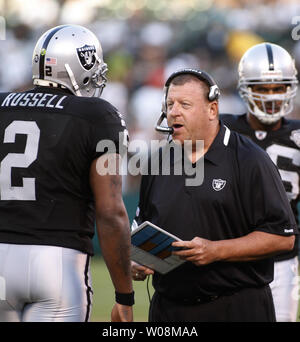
(283, 147)
(48, 140)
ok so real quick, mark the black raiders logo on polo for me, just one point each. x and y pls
(86, 56)
(218, 184)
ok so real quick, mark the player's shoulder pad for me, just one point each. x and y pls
(292, 123)
(229, 118)
(95, 109)
(247, 151)
(291, 129)
(3, 95)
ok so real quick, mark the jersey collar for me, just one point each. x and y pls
(215, 153)
(52, 90)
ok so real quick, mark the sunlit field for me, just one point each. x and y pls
(104, 295)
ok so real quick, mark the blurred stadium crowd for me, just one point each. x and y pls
(145, 40)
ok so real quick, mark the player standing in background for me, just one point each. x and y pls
(268, 84)
(51, 190)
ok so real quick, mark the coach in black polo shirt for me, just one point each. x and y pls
(231, 225)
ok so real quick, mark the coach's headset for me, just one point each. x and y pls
(213, 94)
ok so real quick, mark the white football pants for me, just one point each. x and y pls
(285, 290)
(44, 284)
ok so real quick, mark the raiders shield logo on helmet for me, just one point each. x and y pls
(86, 56)
(295, 137)
(218, 184)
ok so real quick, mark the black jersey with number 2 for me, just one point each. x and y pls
(48, 140)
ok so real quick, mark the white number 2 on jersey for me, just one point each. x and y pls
(23, 160)
(291, 177)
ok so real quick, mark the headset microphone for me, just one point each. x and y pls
(163, 129)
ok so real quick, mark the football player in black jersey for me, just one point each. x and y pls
(268, 84)
(53, 187)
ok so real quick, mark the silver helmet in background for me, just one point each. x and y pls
(70, 56)
(267, 63)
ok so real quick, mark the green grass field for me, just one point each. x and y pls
(104, 294)
(103, 299)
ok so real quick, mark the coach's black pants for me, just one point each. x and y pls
(247, 305)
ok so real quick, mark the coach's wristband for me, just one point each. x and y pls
(125, 298)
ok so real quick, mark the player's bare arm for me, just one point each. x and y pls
(254, 246)
(113, 232)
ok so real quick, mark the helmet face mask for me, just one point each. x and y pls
(267, 64)
(269, 108)
(70, 56)
(99, 78)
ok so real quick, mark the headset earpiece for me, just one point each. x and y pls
(214, 93)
